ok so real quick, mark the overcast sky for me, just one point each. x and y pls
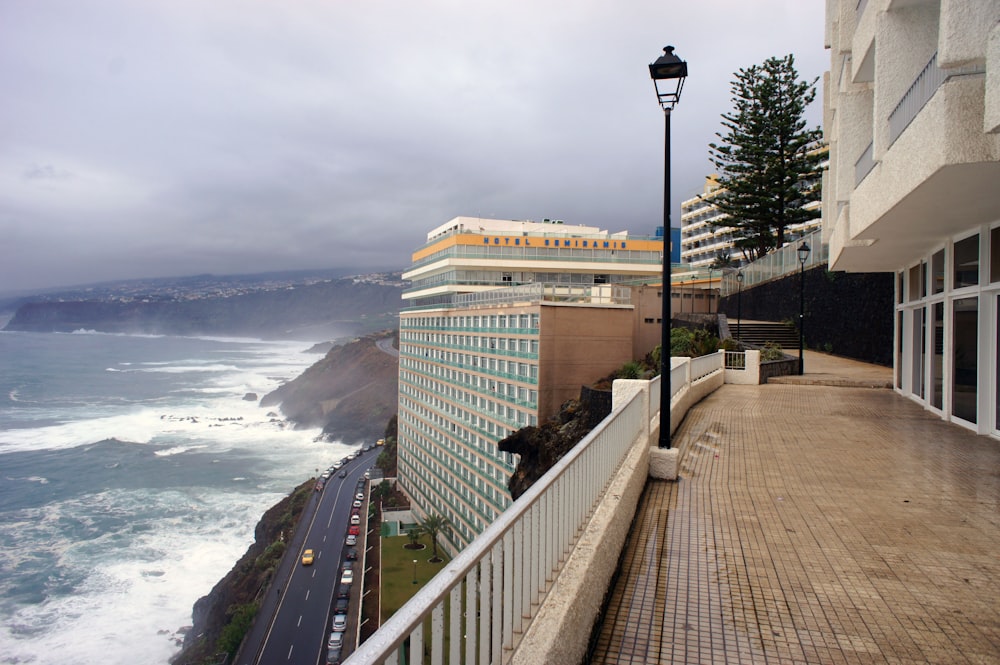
(147, 138)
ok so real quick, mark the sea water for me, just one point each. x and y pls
(132, 474)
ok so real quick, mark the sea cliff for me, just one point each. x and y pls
(350, 392)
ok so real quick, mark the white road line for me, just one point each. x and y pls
(290, 649)
(299, 622)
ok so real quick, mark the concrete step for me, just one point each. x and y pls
(759, 333)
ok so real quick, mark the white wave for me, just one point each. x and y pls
(177, 450)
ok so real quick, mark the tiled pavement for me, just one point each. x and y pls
(814, 524)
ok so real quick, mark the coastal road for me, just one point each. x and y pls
(293, 624)
(386, 346)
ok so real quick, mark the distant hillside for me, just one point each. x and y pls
(314, 311)
(350, 393)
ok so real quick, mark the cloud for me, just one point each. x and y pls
(161, 138)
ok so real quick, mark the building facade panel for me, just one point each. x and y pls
(927, 207)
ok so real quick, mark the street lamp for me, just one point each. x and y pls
(803, 252)
(668, 74)
(414, 571)
(739, 302)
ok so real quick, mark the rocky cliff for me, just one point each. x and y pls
(350, 393)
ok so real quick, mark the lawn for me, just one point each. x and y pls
(398, 571)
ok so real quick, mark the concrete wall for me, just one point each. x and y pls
(577, 346)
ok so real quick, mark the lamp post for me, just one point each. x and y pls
(414, 571)
(739, 303)
(668, 74)
(803, 252)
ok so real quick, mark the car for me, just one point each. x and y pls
(368, 474)
(343, 592)
(341, 606)
(348, 565)
(339, 623)
(337, 465)
(355, 519)
(347, 577)
(319, 486)
(354, 530)
(352, 555)
(360, 496)
(343, 474)
(333, 657)
(351, 540)
(307, 558)
(336, 641)
(357, 503)
(326, 474)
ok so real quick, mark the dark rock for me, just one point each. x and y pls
(250, 397)
(541, 447)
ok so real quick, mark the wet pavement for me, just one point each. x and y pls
(814, 522)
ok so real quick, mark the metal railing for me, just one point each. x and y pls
(490, 592)
(920, 92)
(736, 360)
(864, 165)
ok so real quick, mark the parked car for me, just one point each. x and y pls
(347, 577)
(351, 540)
(341, 606)
(354, 530)
(352, 555)
(339, 623)
(355, 519)
(307, 558)
(357, 503)
(360, 496)
(333, 657)
(336, 641)
(343, 592)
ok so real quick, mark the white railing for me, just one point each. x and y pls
(920, 92)
(736, 360)
(490, 592)
(705, 365)
(864, 165)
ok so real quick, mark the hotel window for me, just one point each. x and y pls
(937, 271)
(995, 254)
(966, 262)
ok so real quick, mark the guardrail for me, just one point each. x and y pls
(488, 594)
(778, 263)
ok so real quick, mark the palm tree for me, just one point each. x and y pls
(432, 525)
(414, 534)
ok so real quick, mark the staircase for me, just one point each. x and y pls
(759, 333)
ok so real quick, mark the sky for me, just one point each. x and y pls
(155, 138)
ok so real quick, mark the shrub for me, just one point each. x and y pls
(771, 351)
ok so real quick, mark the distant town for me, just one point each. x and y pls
(198, 287)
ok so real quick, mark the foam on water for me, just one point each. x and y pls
(116, 517)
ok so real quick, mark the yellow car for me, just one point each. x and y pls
(307, 558)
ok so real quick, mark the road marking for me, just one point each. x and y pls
(299, 623)
(307, 594)
(290, 649)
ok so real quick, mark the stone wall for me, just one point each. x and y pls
(847, 314)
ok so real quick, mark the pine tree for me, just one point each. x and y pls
(768, 162)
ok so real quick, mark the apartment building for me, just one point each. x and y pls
(912, 116)
(705, 237)
(505, 321)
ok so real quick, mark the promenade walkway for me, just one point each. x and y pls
(814, 522)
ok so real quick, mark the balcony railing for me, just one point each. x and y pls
(778, 263)
(481, 604)
(920, 92)
(864, 165)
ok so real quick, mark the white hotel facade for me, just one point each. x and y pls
(506, 320)
(912, 116)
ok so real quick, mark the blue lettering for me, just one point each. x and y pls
(606, 244)
(623, 245)
(546, 242)
(517, 241)
(486, 241)
(496, 241)
(565, 243)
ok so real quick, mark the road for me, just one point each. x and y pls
(386, 346)
(293, 623)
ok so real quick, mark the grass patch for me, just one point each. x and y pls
(398, 571)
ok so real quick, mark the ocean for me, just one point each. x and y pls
(132, 474)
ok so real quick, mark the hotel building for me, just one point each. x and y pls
(705, 237)
(506, 321)
(912, 116)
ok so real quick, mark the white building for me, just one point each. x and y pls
(506, 320)
(912, 116)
